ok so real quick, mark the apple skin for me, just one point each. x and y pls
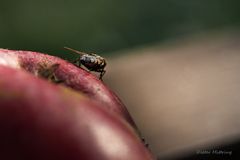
(41, 120)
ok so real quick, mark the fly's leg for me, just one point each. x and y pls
(144, 142)
(77, 62)
(101, 74)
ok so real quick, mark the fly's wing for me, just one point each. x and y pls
(73, 50)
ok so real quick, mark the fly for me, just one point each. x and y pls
(91, 61)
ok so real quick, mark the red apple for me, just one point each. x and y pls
(42, 120)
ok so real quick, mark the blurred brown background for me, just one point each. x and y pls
(185, 94)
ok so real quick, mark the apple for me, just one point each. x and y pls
(79, 118)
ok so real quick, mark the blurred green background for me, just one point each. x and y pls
(105, 26)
